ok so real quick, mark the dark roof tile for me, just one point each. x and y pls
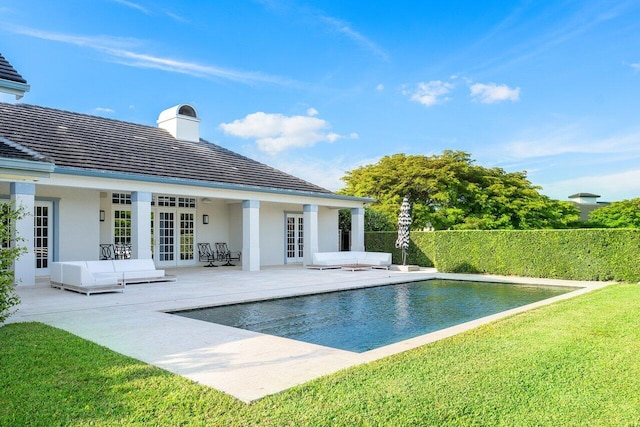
(7, 72)
(99, 144)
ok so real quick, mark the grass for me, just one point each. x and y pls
(573, 363)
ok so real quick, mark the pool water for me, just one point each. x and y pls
(363, 319)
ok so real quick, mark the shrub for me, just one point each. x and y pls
(9, 252)
(575, 254)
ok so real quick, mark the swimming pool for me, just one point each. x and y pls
(362, 319)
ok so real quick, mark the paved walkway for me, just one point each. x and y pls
(244, 364)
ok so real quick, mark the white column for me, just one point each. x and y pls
(357, 229)
(251, 235)
(141, 225)
(310, 232)
(24, 268)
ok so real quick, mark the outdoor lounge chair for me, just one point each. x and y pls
(205, 254)
(224, 254)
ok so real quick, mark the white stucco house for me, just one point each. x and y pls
(90, 180)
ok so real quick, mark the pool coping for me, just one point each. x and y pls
(247, 365)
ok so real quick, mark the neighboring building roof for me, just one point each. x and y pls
(586, 203)
(89, 143)
(579, 195)
(10, 80)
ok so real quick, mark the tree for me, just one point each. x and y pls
(374, 220)
(9, 252)
(622, 214)
(450, 192)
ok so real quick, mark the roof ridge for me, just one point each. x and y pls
(60, 110)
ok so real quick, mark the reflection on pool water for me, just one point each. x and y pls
(363, 319)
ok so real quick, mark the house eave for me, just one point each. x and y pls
(19, 169)
(14, 88)
(203, 184)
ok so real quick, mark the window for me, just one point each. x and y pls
(167, 201)
(187, 110)
(122, 227)
(121, 199)
(186, 202)
(187, 228)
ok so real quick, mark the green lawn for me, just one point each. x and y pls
(576, 362)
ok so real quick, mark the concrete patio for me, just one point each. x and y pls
(244, 364)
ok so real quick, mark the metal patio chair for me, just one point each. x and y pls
(122, 251)
(224, 254)
(107, 251)
(206, 254)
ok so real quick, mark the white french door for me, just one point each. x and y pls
(43, 236)
(173, 237)
(294, 238)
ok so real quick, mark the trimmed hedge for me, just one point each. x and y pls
(421, 246)
(577, 254)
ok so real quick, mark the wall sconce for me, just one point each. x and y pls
(101, 216)
(205, 219)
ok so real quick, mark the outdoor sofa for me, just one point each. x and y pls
(326, 260)
(90, 277)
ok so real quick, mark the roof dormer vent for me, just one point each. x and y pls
(181, 121)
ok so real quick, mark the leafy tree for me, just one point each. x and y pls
(450, 192)
(9, 252)
(622, 214)
(374, 220)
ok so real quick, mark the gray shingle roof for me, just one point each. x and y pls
(7, 71)
(99, 144)
(11, 150)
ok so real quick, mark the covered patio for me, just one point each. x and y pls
(244, 364)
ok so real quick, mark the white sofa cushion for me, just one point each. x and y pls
(77, 274)
(377, 258)
(133, 265)
(105, 266)
(137, 269)
(351, 257)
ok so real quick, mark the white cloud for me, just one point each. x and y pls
(119, 50)
(312, 112)
(133, 6)
(103, 110)
(612, 187)
(326, 173)
(346, 29)
(574, 139)
(636, 66)
(275, 133)
(430, 93)
(380, 87)
(491, 93)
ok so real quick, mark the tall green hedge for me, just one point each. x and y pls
(580, 254)
(421, 246)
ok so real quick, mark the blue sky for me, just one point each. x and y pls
(318, 88)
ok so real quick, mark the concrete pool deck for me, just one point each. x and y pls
(244, 364)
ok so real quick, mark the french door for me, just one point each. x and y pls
(43, 236)
(174, 237)
(294, 238)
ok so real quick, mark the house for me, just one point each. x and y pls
(10, 80)
(90, 180)
(586, 203)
